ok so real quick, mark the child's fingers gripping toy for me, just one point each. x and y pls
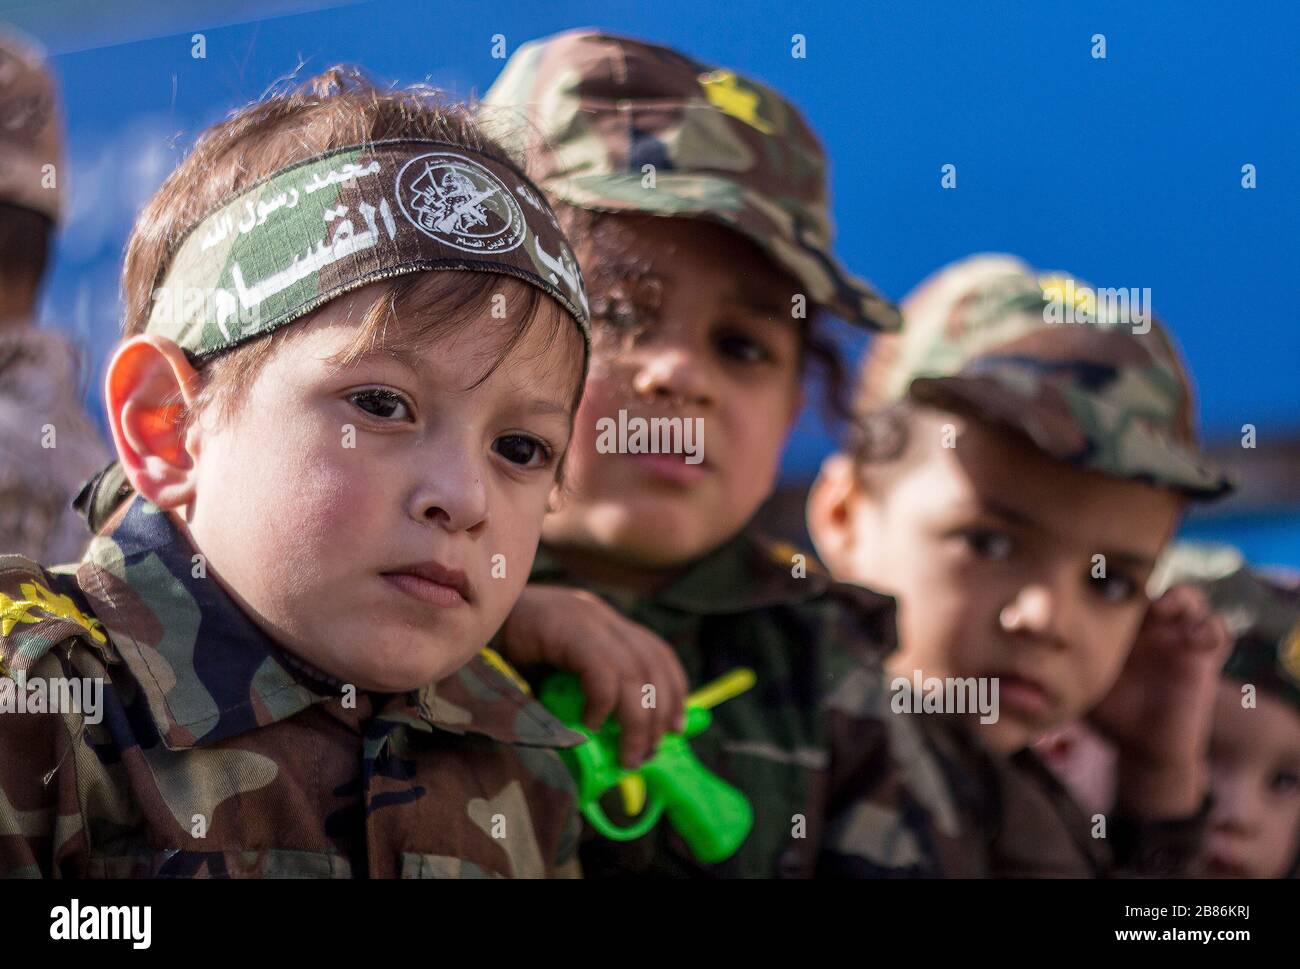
(712, 816)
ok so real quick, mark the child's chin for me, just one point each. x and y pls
(409, 678)
(1007, 735)
(664, 541)
(410, 673)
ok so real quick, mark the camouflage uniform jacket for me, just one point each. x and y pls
(40, 407)
(840, 786)
(216, 754)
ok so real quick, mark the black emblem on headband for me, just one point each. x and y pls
(459, 203)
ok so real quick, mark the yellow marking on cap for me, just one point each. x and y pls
(724, 91)
(1059, 288)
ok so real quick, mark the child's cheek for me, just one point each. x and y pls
(511, 551)
(585, 466)
(1102, 653)
(749, 432)
(600, 398)
(336, 483)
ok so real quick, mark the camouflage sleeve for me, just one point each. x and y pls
(37, 817)
(42, 825)
(904, 796)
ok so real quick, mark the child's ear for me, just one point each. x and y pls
(830, 514)
(149, 388)
(555, 498)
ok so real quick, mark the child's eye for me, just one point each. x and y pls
(616, 312)
(379, 402)
(523, 450)
(989, 543)
(738, 346)
(1284, 782)
(1113, 587)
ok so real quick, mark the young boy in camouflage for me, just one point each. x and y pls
(1013, 482)
(355, 337)
(698, 199)
(48, 445)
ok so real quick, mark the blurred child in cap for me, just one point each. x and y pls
(1254, 755)
(1254, 750)
(697, 199)
(48, 444)
(1255, 745)
(1024, 452)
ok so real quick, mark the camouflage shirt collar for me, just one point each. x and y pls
(748, 572)
(208, 672)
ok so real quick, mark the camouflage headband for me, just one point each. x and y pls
(315, 230)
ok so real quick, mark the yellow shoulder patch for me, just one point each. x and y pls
(783, 553)
(36, 603)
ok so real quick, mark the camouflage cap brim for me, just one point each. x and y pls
(720, 200)
(1077, 427)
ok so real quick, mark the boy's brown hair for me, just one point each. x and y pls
(334, 109)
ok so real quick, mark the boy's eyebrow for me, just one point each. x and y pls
(407, 359)
(758, 303)
(540, 405)
(412, 362)
(1015, 516)
(1133, 560)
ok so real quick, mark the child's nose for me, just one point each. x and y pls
(452, 496)
(1038, 609)
(672, 374)
(1235, 807)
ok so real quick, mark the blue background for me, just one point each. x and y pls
(1126, 171)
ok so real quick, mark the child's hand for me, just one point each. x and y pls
(614, 658)
(1160, 711)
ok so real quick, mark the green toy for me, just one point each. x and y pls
(712, 816)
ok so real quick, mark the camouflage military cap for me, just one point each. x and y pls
(1092, 378)
(312, 231)
(590, 110)
(1260, 606)
(30, 128)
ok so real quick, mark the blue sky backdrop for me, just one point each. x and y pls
(1126, 171)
